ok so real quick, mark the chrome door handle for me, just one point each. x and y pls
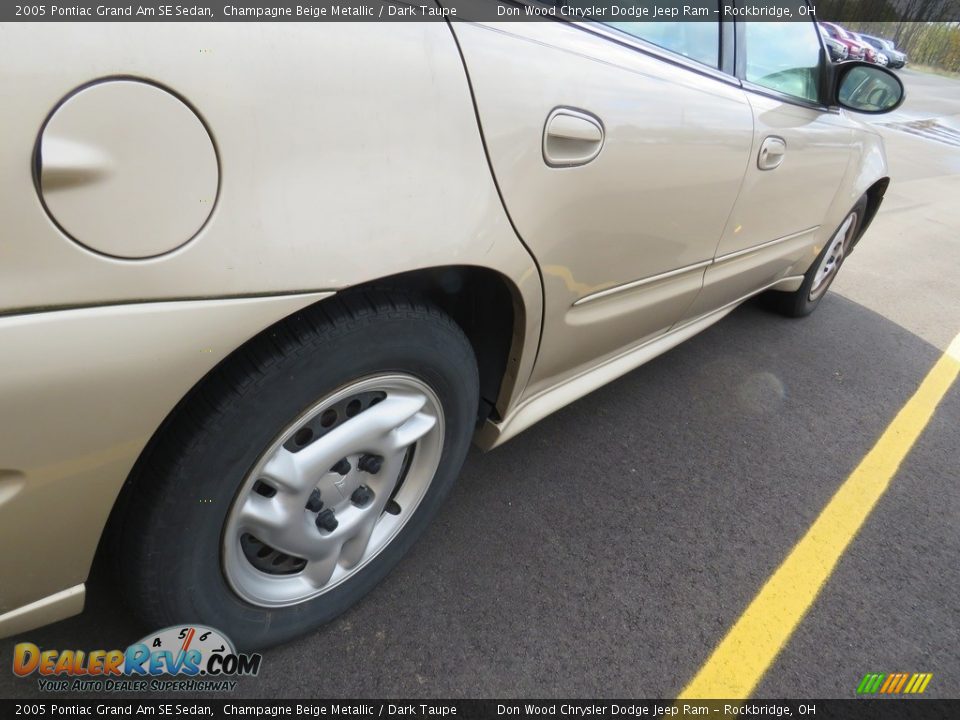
(571, 137)
(772, 151)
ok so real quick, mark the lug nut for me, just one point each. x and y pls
(342, 467)
(315, 504)
(362, 496)
(326, 520)
(370, 464)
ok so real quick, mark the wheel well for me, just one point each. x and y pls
(874, 197)
(485, 305)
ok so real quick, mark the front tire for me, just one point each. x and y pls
(824, 269)
(296, 476)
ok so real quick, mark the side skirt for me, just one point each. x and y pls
(539, 406)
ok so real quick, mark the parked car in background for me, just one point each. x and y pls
(249, 328)
(880, 57)
(838, 51)
(856, 49)
(897, 58)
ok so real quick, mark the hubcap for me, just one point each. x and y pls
(333, 490)
(833, 258)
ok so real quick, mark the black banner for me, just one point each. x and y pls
(480, 10)
(892, 709)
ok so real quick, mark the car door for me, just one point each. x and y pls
(801, 152)
(618, 162)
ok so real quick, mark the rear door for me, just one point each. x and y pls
(619, 161)
(801, 152)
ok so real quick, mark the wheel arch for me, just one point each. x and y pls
(874, 195)
(490, 310)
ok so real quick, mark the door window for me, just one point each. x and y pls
(784, 56)
(697, 40)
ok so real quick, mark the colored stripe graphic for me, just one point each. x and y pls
(870, 683)
(918, 683)
(899, 687)
(894, 683)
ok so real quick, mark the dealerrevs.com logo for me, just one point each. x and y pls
(201, 658)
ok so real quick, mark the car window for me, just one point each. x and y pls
(697, 40)
(784, 56)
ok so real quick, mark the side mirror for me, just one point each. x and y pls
(867, 88)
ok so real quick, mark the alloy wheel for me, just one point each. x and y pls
(333, 490)
(833, 258)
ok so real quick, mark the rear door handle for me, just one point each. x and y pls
(571, 137)
(772, 151)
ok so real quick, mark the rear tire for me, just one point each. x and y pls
(186, 553)
(824, 269)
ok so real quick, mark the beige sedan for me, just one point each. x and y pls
(261, 285)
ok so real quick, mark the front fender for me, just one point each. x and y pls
(867, 174)
(83, 391)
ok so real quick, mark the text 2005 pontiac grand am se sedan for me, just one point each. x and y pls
(262, 284)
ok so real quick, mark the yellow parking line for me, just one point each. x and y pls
(753, 643)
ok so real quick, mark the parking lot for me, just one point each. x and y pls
(607, 550)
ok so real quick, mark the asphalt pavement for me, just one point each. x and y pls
(607, 550)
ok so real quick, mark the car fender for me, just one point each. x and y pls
(866, 168)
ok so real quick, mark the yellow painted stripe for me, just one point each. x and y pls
(746, 652)
(926, 681)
